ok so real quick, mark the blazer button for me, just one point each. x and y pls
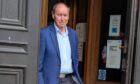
(58, 77)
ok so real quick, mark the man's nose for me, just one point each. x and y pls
(62, 18)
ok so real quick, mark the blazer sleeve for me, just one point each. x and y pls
(42, 52)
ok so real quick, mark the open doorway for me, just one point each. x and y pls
(100, 21)
(113, 26)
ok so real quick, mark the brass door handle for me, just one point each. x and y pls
(122, 47)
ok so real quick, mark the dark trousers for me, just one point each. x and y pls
(67, 80)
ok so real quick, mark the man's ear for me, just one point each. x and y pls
(52, 15)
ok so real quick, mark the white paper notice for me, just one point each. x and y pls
(81, 29)
(80, 51)
(113, 54)
(114, 26)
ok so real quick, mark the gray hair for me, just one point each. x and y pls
(55, 5)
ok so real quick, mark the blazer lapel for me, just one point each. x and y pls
(71, 42)
(54, 40)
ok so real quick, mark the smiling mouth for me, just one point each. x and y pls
(62, 23)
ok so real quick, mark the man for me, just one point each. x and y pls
(58, 50)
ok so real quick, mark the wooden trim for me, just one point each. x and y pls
(74, 13)
(93, 37)
(72, 17)
(44, 13)
(106, 82)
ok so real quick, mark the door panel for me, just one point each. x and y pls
(19, 36)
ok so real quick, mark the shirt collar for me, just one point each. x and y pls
(59, 31)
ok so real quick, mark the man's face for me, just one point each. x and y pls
(61, 15)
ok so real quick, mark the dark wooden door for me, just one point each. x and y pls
(19, 38)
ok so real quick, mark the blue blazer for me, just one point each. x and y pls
(49, 67)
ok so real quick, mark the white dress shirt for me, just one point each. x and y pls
(65, 50)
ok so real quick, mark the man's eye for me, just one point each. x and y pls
(65, 15)
(58, 14)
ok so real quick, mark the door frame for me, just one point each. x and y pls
(92, 44)
(131, 24)
(136, 74)
(133, 53)
(44, 13)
